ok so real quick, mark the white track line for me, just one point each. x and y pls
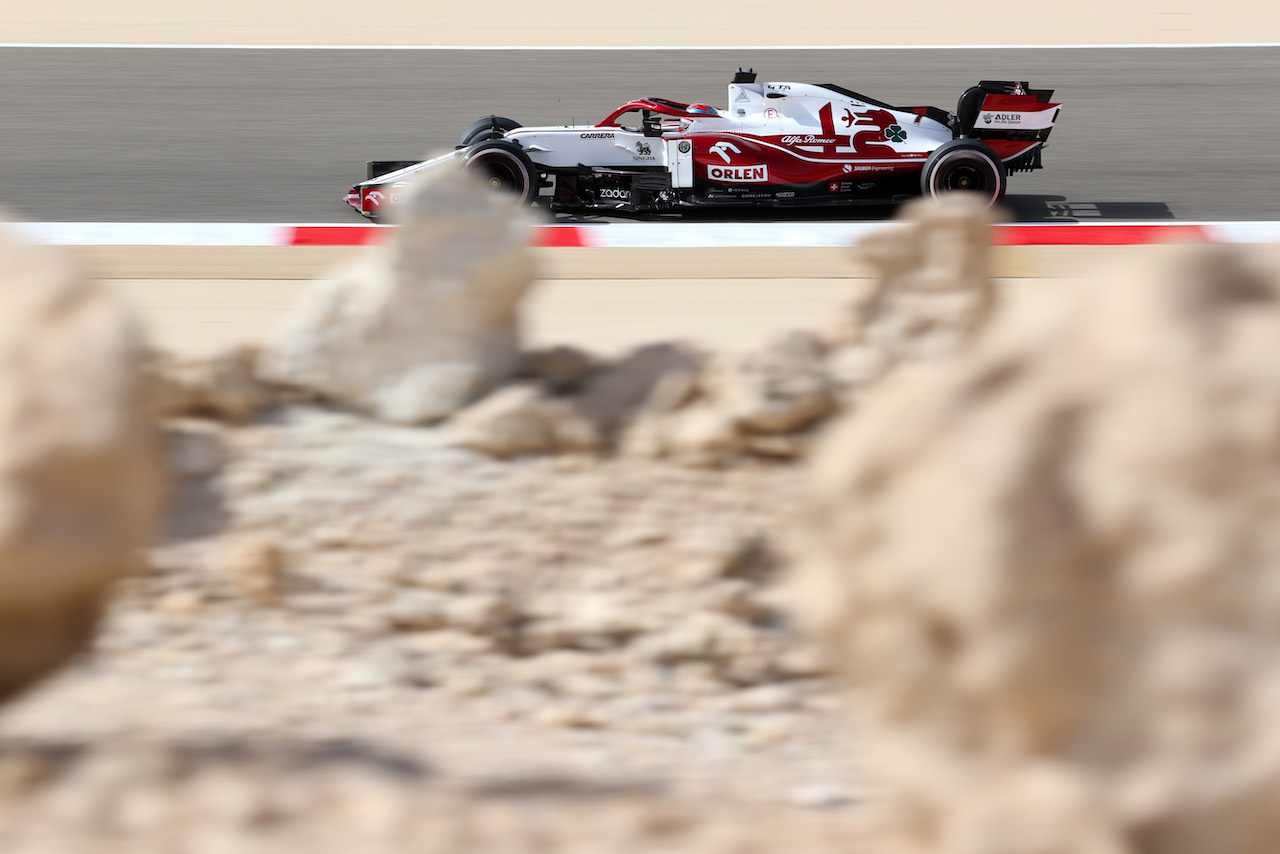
(863, 47)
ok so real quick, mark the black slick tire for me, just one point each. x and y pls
(489, 127)
(964, 166)
(505, 168)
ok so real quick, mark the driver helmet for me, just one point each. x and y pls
(701, 110)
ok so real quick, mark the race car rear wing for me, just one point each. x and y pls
(1015, 87)
(1008, 115)
(1006, 109)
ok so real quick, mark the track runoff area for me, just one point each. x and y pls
(642, 234)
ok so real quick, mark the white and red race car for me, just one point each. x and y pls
(777, 144)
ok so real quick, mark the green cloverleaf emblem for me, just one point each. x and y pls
(895, 133)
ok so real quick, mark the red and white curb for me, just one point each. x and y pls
(645, 235)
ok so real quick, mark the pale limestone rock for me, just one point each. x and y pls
(1042, 808)
(523, 419)
(428, 610)
(931, 294)
(562, 368)
(855, 366)
(1047, 569)
(780, 447)
(702, 432)
(732, 596)
(653, 379)
(223, 386)
(697, 434)
(778, 389)
(255, 566)
(194, 449)
(649, 401)
(80, 473)
(821, 795)
(712, 552)
(479, 613)
(932, 288)
(419, 610)
(181, 603)
(418, 328)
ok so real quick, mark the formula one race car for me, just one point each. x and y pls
(778, 144)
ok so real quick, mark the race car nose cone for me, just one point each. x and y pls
(353, 197)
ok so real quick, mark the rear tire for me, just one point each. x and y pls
(505, 167)
(489, 127)
(964, 166)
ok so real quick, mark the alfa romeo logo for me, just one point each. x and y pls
(895, 133)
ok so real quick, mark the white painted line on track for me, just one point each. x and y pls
(863, 47)
(1243, 232)
(644, 235)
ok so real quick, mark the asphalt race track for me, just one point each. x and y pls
(278, 136)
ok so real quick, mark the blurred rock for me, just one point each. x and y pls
(932, 289)
(708, 412)
(780, 447)
(223, 386)
(294, 796)
(701, 432)
(424, 325)
(820, 795)
(254, 565)
(194, 449)
(778, 389)
(931, 294)
(80, 474)
(1053, 555)
(1043, 808)
(652, 379)
(562, 368)
(523, 419)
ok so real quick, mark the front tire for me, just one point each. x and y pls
(964, 166)
(490, 127)
(505, 167)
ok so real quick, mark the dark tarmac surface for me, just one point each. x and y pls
(279, 136)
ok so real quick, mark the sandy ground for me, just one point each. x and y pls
(658, 22)
(204, 315)
(199, 300)
(605, 316)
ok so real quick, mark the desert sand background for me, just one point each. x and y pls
(198, 301)
(657, 22)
